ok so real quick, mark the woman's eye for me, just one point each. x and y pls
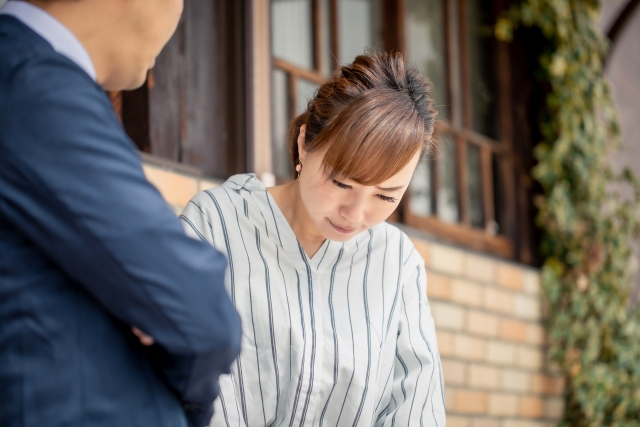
(387, 199)
(341, 185)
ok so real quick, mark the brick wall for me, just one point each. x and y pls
(488, 316)
(176, 188)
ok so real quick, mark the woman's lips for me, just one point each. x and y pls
(342, 230)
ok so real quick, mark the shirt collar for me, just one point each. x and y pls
(59, 37)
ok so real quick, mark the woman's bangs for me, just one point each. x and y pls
(369, 143)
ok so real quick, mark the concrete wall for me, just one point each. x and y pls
(488, 315)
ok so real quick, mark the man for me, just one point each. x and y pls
(88, 248)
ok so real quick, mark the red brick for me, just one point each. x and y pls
(516, 380)
(510, 276)
(454, 421)
(536, 334)
(480, 268)
(453, 372)
(438, 286)
(448, 316)
(470, 402)
(497, 300)
(485, 422)
(445, 343)
(513, 330)
(466, 292)
(532, 407)
(484, 377)
(483, 324)
(469, 348)
(502, 404)
(446, 259)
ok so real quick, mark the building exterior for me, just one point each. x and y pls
(219, 101)
(222, 93)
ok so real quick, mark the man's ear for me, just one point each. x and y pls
(301, 151)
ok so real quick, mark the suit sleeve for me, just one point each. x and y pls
(72, 182)
(417, 396)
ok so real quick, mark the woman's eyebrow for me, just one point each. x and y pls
(390, 188)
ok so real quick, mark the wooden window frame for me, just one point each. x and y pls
(157, 116)
(294, 72)
(460, 127)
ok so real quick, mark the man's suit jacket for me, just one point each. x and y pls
(88, 248)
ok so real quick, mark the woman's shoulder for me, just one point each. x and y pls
(389, 233)
(393, 238)
(229, 192)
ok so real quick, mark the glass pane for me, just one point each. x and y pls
(482, 66)
(292, 31)
(426, 46)
(359, 27)
(474, 186)
(420, 190)
(281, 163)
(306, 91)
(447, 177)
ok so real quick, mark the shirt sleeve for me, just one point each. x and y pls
(196, 219)
(201, 221)
(71, 181)
(417, 396)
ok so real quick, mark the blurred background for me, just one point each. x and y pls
(221, 96)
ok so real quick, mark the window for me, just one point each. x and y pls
(459, 194)
(456, 194)
(192, 110)
(309, 38)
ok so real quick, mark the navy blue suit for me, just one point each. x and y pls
(88, 248)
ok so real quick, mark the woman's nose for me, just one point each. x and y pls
(353, 213)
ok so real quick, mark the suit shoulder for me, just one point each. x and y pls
(29, 73)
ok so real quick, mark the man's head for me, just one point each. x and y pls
(123, 37)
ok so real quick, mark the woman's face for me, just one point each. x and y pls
(340, 208)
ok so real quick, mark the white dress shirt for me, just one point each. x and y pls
(57, 35)
(344, 338)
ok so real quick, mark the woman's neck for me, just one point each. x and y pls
(288, 199)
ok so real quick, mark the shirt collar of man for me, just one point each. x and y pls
(57, 35)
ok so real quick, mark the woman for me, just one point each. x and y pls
(337, 328)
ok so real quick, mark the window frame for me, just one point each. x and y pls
(158, 116)
(460, 127)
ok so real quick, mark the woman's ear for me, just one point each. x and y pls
(301, 151)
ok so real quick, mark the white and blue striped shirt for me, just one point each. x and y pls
(345, 338)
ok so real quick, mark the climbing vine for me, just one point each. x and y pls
(589, 216)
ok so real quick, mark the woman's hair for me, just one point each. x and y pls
(374, 115)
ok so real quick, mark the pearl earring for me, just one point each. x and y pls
(298, 169)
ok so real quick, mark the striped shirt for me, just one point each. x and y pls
(344, 338)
